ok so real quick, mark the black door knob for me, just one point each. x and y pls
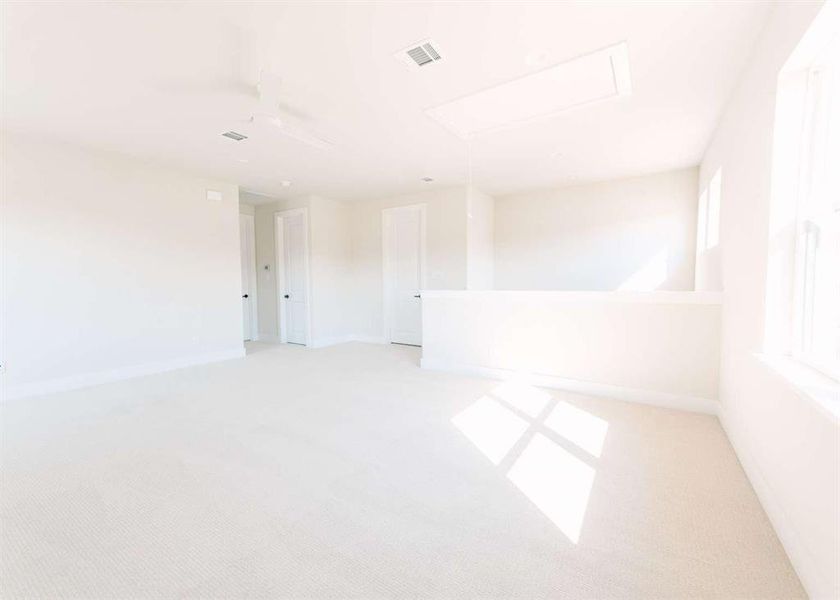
(416, 295)
(244, 295)
(286, 296)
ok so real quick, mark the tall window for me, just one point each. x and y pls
(817, 268)
(708, 215)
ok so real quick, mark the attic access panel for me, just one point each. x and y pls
(589, 78)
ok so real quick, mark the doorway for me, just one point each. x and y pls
(404, 272)
(291, 235)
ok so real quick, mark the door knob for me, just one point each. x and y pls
(416, 295)
(286, 296)
(244, 295)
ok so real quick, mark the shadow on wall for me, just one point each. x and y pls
(613, 258)
(598, 236)
(638, 263)
(650, 276)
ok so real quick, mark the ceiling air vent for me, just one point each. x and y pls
(235, 136)
(419, 55)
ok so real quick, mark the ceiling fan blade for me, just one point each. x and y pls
(245, 66)
(297, 132)
(272, 98)
(284, 108)
(269, 91)
(235, 72)
(307, 137)
(206, 87)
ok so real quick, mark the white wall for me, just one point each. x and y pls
(329, 265)
(266, 280)
(660, 347)
(112, 266)
(481, 210)
(330, 260)
(788, 445)
(599, 236)
(446, 244)
(464, 249)
(346, 257)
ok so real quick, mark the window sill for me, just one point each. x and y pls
(806, 382)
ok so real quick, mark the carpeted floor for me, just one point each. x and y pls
(349, 472)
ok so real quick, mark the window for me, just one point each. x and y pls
(816, 339)
(708, 215)
(713, 219)
(702, 217)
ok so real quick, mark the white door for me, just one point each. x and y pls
(247, 255)
(292, 244)
(404, 264)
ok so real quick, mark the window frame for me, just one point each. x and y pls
(815, 214)
(708, 213)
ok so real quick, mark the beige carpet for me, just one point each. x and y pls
(349, 472)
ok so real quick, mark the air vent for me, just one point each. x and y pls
(420, 54)
(235, 136)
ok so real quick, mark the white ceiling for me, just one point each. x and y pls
(164, 80)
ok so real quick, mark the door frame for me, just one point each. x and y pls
(252, 273)
(280, 270)
(387, 214)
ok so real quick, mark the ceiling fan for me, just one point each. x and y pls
(245, 76)
(273, 111)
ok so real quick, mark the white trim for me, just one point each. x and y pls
(280, 270)
(368, 339)
(581, 296)
(279, 276)
(386, 299)
(333, 341)
(797, 552)
(664, 399)
(84, 380)
(252, 274)
(806, 382)
(270, 338)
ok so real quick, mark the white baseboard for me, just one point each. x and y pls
(368, 339)
(74, 382)
(655, 398)
(266, 337)
(330, 341)
(800, 557)
(324, 342)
